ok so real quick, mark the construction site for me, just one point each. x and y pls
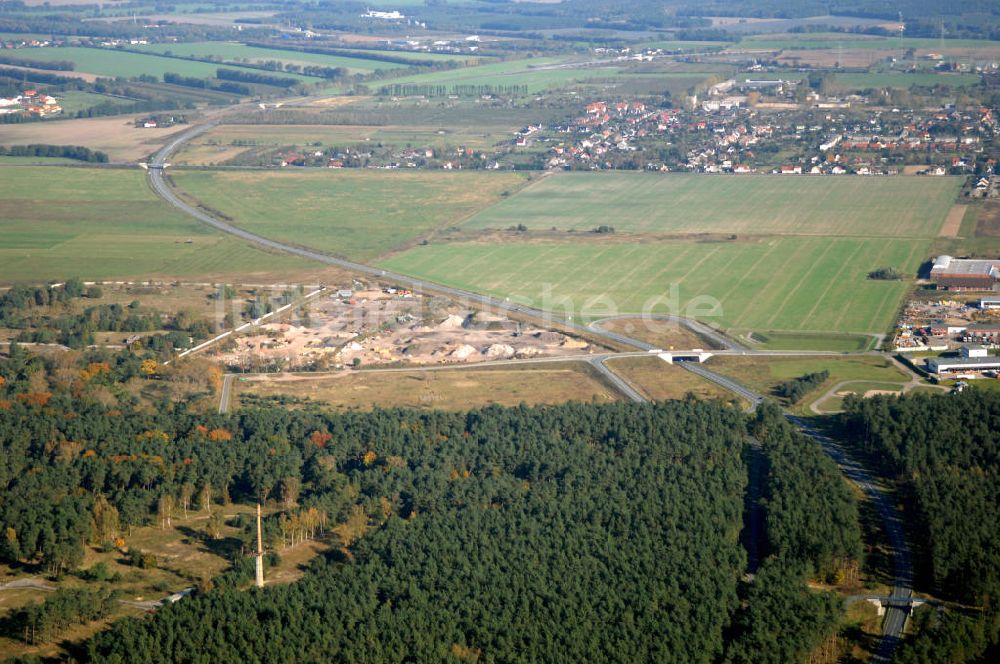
(387, 327)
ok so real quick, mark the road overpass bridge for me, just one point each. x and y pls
(670, 356)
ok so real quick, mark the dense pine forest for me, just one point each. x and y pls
(945, 452)
(573, 533)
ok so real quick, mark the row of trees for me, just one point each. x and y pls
(255, 78)
(793, 390)
(204, 84)
(52, 65)
(76, 152)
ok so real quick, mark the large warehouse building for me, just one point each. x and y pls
(964, 274)
(972, 359)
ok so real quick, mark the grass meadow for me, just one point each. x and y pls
(94, 223)
(764, 374)
(900, 80)
(646, 203)
(815, 284)
(356, 213)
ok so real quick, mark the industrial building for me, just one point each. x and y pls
(972, 359)
(963, 274)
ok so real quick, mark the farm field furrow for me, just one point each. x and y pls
(787, 283)
(642, 203)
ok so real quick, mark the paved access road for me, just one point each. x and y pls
(227, 392)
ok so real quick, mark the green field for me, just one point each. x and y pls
(851, 82)
(353, 213)
(790, 283)
(103, 223)
(763, 375)
(42, 161)
(112, 63)
(234, 52)
(844, 343)
(644, 203)
(76, 100)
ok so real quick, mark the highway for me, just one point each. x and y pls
(896, 614)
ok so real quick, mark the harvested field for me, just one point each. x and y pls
(988, 223)
(116, 136)
(953, 222)
(451, 389)
(834, 57)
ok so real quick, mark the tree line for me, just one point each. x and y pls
(793, 390)
(76, 152)
(252, 77)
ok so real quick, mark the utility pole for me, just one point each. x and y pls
(260, 552)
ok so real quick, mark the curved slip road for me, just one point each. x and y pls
(896, 614)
